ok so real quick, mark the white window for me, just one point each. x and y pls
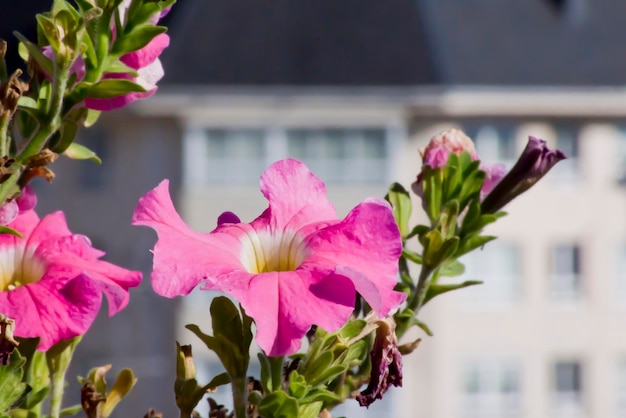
(341, 155)
(565, 277)
(567, 390)
(567, 140)
(495, 143)
(239, 156)
(498, 266)
(490, 388)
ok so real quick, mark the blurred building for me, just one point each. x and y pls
(354, 88)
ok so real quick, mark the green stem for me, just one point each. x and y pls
(4, 130)
(240, 400)
(417, 299)
(57, 383)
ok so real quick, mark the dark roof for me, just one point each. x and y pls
(297, 42)
(15, 16)
(528, 42)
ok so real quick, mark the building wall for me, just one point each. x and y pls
(98, 202)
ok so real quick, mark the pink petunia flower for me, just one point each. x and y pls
(27, 200)
(51, 281)
(294, 266)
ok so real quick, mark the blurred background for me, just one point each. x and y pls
(354, 88)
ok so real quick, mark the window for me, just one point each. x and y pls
(567, 141)
(239, 156)
(495, 143)
(490, 388)
(341, 155)
(498, 266)
(565, 277)
(567, 390)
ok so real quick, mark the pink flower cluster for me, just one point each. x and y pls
(294, 266)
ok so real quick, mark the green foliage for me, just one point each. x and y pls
(12, 389)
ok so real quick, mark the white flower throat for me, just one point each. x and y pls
(263, 252)
(19, 266)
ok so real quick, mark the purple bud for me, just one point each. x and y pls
(27, 200)
(536, 160)
(386, 363)
(228, 218)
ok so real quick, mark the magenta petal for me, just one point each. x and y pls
(296, 197)
(52, 314)
(365, 248)
(148, 54)
(285, 305)
(183, 258)
(8, 212)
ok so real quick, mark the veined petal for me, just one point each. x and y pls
(296, 196)
(183, 258)
(52, 313)
(285, 305)
(370, 233)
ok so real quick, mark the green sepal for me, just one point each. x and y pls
(432, 191)
(436, 289)
(328, 374)
(472, 242)
(298, 386)
(109, 88)
(122, 386)
(278, 405)
(401, 206)
(138, 38)
(10, 231)
(352, 329)
(80, 152)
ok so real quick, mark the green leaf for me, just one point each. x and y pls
(418, 230)
(298, 386)
(452, 269)
(400, 202)
(226, 320)
(110, 87)
(92, 117)
(318, 365)
(433, 242)
(219, 380)
(310, 410)
(26, 102)
(320, 395)
(328, 374)
(11, 385)
(472, 242)
(432, 179)
(67, 134)
(71, 410)
(422, 325)
(80, 152)
(412, 256)
(278, 405)
(436, 289)
(35, 53)
(352, 329)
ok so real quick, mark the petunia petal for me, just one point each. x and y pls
(183, 258)
(50, 313)
(148, 54)
(296, 196)
(370, 233)
(285, 305)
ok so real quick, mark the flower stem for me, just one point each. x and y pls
(417, 299)
(57, 383)
(239, 397)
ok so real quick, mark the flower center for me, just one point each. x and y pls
(263, 252)
(19, 266)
